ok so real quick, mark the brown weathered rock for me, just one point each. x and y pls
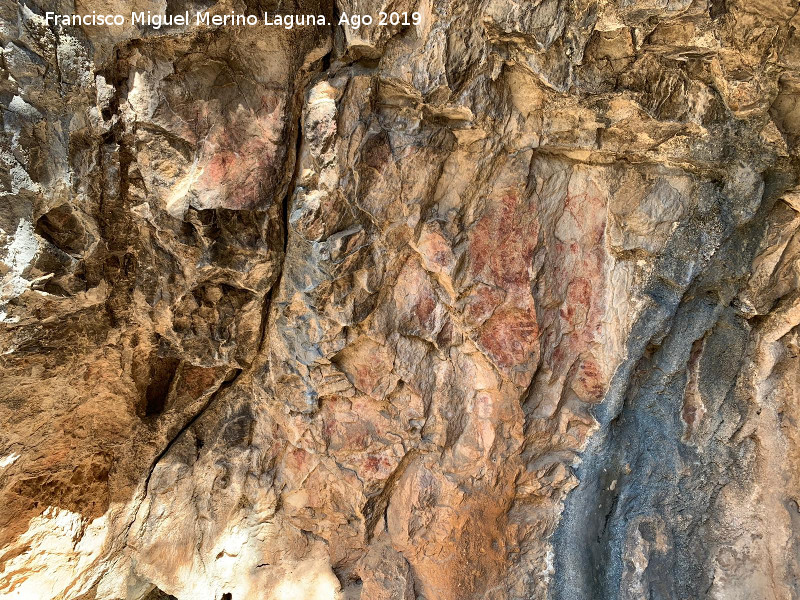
(502, 305)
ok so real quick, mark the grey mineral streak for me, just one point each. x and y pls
(500, 306)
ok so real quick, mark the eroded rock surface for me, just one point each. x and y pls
(503, 305)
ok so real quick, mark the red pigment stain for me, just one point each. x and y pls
(415, 298)
(242, 155)
(577, 274)
(441, 258)
(510, 336)
(298, 457)
(376, 464)
(693, 409)
(356, 437)
(504, 241)
(481, 303)
(424, 312)
(197, 380)
(368, 375)
(589, 382)
(501, 252)
(330, 428)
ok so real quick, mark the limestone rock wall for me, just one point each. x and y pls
(503, 305)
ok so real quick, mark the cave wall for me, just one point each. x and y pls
(503, 305)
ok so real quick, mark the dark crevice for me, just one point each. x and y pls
(325, 61)
(228, 382)
(375, 507)
(292, 183)
(158, 388)
(157, 594)
(262, 336)
(62, 228)
(717, 8)
(162, 374)
(285, 204)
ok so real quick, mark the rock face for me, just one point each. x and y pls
(500, 305)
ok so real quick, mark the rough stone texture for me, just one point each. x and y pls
(505, 305)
